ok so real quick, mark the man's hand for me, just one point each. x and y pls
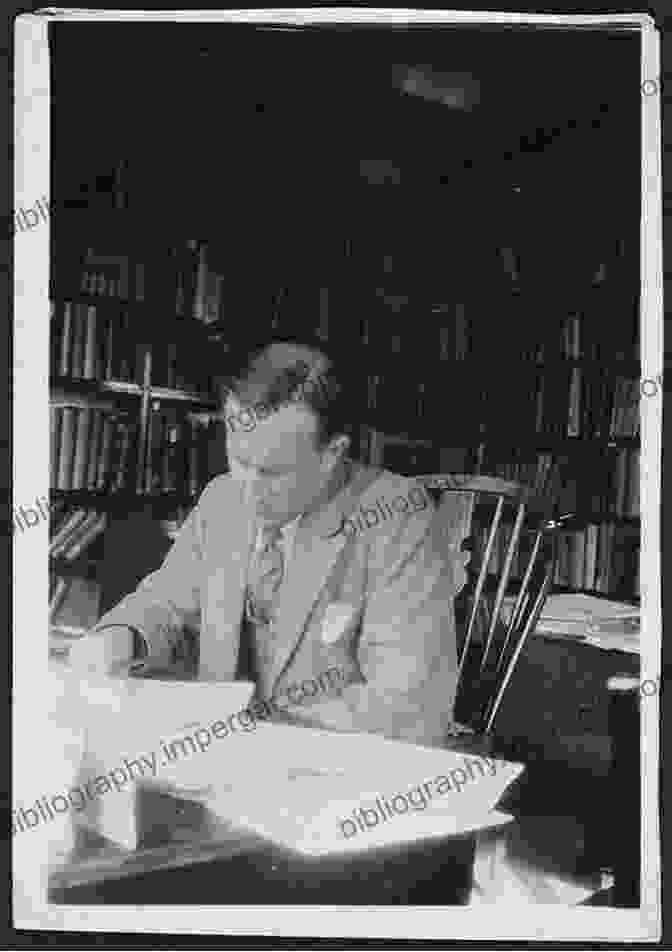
(108, 652)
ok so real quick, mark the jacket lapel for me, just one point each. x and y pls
(317, 545)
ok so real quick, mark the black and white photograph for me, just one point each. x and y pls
(349, 327)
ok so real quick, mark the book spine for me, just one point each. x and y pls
(580, 556)
(55, 422)
(67, 448)
(78, 341)
(91, 532)
(635, 477)
(609, 562)
(56, 601)
(154, 448)
(193, 461)
(111, 332)
(574, 421)
(94, 455)
(55, 335)
(591, 553)
(89, 363)
(123, 477)
(68, 544)
(173, 458)
(64, 366)
(72, 520)
(82, 447)
(105, 453)
(621, 476)
(124, 342)
(201, 284)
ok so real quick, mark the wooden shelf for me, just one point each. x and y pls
(550, 442)
(111, 497)
(64, 389)
(168, 394)
(583, 518)
(74, 568)
(102, 300)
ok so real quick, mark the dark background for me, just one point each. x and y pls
(278, 146)
(254, 138)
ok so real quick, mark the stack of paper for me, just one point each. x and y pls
(599, 621)
(140, 732)
(311, 790)
(341, 793)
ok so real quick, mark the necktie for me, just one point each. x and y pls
(266, 575)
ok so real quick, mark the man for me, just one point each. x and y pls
(275, 589)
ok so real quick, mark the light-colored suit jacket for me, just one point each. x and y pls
(375, 601)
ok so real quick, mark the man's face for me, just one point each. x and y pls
(277, 461)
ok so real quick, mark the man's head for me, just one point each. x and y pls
(285, 419)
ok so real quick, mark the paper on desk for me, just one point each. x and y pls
(292, 784)
(298, 786)
(606, 624)
(42, 771)
(130, 728)
(615, 641)
(579, 607)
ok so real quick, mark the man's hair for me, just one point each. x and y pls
(288, 370)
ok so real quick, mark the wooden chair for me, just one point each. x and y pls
(506, 538)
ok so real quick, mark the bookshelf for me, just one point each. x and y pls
(573, 393)
(140, 340)
(133, 371)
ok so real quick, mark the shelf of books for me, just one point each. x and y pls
(574, 397)
(133, 392)
(139, 346)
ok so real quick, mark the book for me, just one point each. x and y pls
(90, 369)
(82, 447)
(78, 340)
(66, 532)
(55, 423)
(118, 472)
(67, 447)
(620, 481)
(64, 366)
(105, 453)
(591, 556)
(574, 421)
(58, 596)
(155, 437)
(95, 447)
(109, 336)
(90, 530)
(75, 532)
(634, 479)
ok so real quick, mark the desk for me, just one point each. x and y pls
(556, 710)
(187, 857)
(556, 718)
